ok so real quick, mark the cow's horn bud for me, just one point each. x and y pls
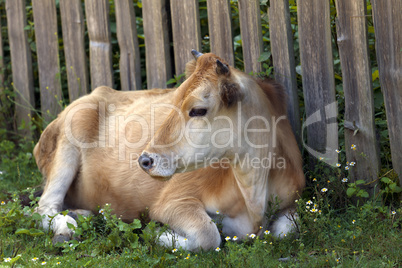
(195, 53)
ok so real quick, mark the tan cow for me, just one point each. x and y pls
(221, 143)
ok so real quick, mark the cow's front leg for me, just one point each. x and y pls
(191, 227)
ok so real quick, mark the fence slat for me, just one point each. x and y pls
(251, 34)
(73, 27)
(21, 63)
(186, 31)
(388, 31)
(318, 76)
(157, 47)
(357, 88)
(47, 44)
(100, 48)
(283, 58)
(220, 29)
(130, 64)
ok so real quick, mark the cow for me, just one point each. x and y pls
(218, 144)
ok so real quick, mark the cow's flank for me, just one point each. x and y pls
(219, 142)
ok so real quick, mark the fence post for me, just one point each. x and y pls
(186, 31)
(73, 27)
(283, 58)
(22, 64)
(47, 44)
(358, 91)
(251, 34)
(157, 46)
(318, 78)
(220, 29)
(100, 48)
(388, 29)
(130, 63)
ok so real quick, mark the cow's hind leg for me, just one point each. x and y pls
(64, 168)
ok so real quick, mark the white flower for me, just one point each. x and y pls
(174, 250)
(218, 249)
(3, 203)
(1, 172)
(309, 202)
(345, 180)
(101, 211)
(337, 165)
(43, 263)
(313, 210)
(227, 238)
(338, 151)
(34, 259)
(353, 147)
(267, 232)
(308, 207)
(217, 212)
(7, 259)
(252, 236)
(234, 238)
(324, 190)
(347, 168)
(352, 164)
(353, 221)
(393, 212)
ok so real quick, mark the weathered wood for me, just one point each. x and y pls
(358, 90)
(318, 78)
(47, 44)
(283, 58)
(220, 29)
(186, 31)
(100, 48)
(157, 46)
(251, 35)
(73, 27)
(130, 64)
(2, 97)
(388, 31)
(21, 64)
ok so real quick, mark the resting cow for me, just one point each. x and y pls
(219, 142)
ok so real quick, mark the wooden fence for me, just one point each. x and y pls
(316, 48)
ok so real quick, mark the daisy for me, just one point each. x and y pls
(345, 180)
(313, 210)
(174, 250)
(3, 203)
(218, 249)
(43, 263)
(315, 220)
(267, 232)
(234, 238)
(101, 211)
(35, 259)
(338, 151)
(352, 164)
(324, 190)
(353, 221)
(353, 147)
(347, 168)
(252, 236)
(309, 202)
(7, 259)
(314, 179)
(227, 238)
(337, 165)
(393, 212)
(217, 212)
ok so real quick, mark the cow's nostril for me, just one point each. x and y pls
(145, 161)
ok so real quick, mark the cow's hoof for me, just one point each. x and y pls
(60, 239)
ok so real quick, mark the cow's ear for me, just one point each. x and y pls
(190, 68)
(230, 93)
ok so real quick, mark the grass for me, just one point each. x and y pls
(334, 230)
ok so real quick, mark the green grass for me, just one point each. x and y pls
(340, 232)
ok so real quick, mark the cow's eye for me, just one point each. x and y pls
(197, 112)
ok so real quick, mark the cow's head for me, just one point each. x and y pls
(201, 127)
